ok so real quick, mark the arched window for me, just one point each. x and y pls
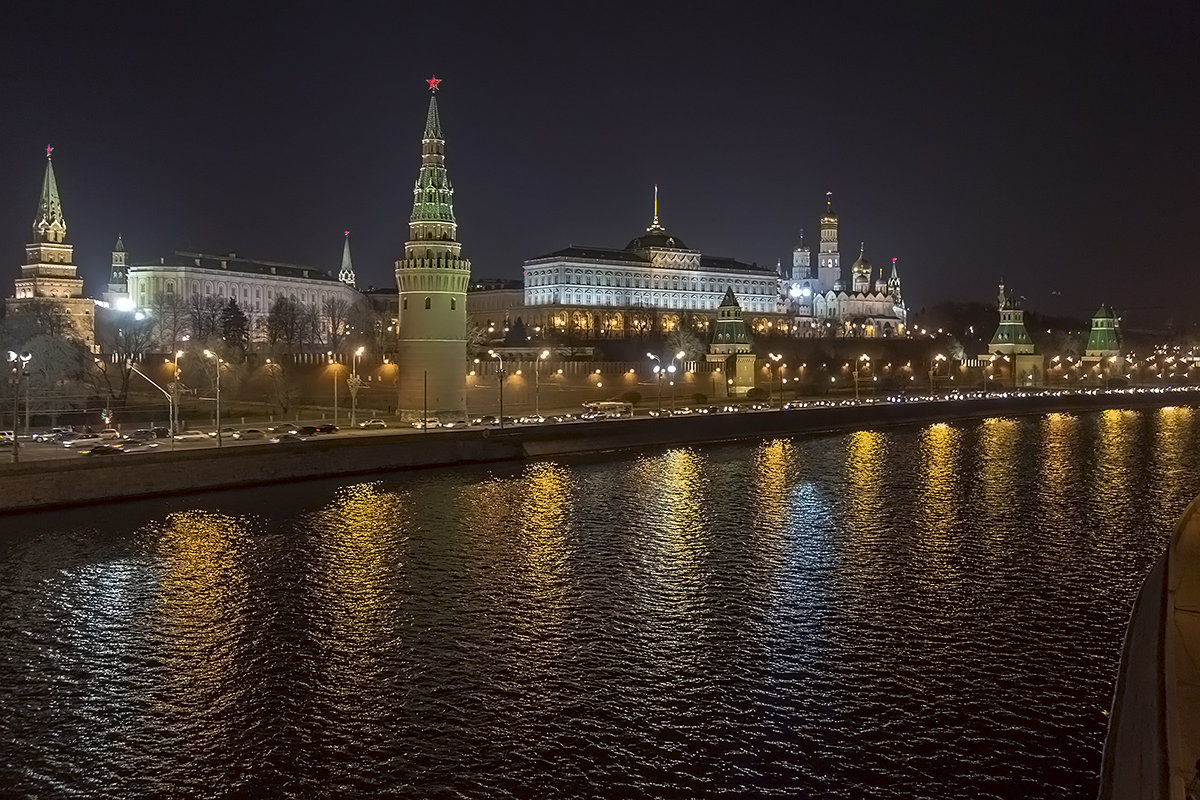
(428, 303)
(453, 303)
(404, 304)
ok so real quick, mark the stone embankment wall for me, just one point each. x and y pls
(54, 484)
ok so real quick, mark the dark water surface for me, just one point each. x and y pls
(928, 612)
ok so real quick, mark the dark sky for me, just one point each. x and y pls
(1051, 144)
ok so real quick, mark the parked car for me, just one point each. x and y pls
(328, 427)
(161, 433)
(455, 423)
(283, 438)
(191, 436)
(427, 423)
(82, 440)
(249, 433)
(307, 430)
(110, 435)
(531, 419)
(141, 435)
(486, 420)
(225, 432)
(373, 423)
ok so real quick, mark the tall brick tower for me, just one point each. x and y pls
(432, 279)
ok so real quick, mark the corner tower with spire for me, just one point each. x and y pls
(432, 279)
(49, 272)
(346, 273)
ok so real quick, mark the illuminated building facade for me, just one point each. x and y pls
(656, 282)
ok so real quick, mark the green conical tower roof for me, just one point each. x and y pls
(1011, 336)
(433, 196)
(730, 334)
(49, 217)
(1104, 339)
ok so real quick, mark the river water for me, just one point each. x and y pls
(926, 612)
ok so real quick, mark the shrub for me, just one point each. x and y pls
(699, 397)
(756, 394)
(631, 397)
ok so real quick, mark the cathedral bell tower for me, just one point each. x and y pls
(829, 262)
(432, 279)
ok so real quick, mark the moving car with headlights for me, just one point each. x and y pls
(427, 423)
(191, 436)
(372, 423)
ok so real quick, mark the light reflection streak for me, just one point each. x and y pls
(201, 606)
(999, 445)
(1174, 435)
(866, 467)
(359, 540)
(1058, 475)
(1115, 454)
(940, 448)
(544, 521)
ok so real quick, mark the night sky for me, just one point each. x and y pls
(1051, 144)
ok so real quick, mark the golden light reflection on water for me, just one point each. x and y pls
(673, 491)
(1058, 459)
(1174, 436)
(940, 448)
(771, 475)
(866, 468)
(201, 605)
(544, 520)
(359, 540)
(999, 443)
(1116, 452)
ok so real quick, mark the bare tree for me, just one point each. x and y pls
(335, 322)
(204, 317)
(171, 319)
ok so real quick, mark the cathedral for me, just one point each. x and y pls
(870, 306)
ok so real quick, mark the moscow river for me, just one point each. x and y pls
(925, 612)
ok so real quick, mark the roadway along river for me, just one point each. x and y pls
(931, 612)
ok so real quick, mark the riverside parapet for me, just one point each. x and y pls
(55, 484)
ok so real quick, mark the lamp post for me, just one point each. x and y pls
(174, 386)
(857, 365)
(170, 399)
(500, 358)
(355, 383)
(19, 361)
(537, 368)
(775, 358)
(658, 371)
(673, 369)
(933, 365)
(217, 358)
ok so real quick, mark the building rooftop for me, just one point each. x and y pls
(232, 262)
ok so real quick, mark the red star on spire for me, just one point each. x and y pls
(49, 150)
(433, 83)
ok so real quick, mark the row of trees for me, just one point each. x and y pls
(288, 326)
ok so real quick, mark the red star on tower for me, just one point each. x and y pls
(433, 83)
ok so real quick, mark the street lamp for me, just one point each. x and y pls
(355, 383)
(775, 357)
(217, 358)
(861, 359)
(170, 399)
(658, 370)
(500, 358)
(933, 365)
(20, 362)
(174, 386)
(537, 368)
